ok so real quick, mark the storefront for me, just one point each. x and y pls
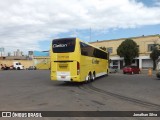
(143, 62)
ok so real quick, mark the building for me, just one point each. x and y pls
(145, 44)
(41, 59)
(18, 53)
(2, 53)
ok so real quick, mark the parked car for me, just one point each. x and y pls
(131, 70)
(32, 68)
(112, 69)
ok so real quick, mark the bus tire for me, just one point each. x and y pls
(93, 76)
(88, 78)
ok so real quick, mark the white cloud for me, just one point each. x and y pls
(24, 23)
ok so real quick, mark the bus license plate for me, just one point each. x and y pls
(63, 76)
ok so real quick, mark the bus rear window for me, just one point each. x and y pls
(63, 45)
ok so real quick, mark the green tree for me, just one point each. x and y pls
(154, 56)
(129, 50)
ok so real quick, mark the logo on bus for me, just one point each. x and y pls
(94, 61)
(59, 45)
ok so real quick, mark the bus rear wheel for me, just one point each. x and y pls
(88, 78)
(93, 76)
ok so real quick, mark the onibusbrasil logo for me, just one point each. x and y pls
(21, 114)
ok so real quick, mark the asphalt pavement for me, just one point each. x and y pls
(32, 90)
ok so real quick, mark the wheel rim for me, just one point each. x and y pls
(87, 79)
(93, 78)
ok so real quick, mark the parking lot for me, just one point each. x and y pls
(33, 90)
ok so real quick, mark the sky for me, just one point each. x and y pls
(31, 25)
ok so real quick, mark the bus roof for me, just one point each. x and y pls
(81, 41)
(92, 45)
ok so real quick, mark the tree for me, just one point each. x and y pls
(129, 50)
(103, 48)
(154, 56)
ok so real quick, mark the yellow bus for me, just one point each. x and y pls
(76, 61)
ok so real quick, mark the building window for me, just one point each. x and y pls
(115, 62)
(150, 47)
(110, 49)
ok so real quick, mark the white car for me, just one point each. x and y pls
(18, 66)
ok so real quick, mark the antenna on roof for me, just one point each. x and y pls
(75, 33)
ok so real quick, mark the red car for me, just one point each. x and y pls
(131, 70)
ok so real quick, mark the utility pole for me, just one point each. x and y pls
(90, 34)
(75, 33)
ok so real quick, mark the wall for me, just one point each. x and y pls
(142, 41)
(42, 62)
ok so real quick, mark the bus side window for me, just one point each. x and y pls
(83, 49)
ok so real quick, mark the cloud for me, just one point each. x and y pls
(25, 23)
(157, 2)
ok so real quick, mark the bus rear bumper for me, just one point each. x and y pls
(63, 78)
(66, 78)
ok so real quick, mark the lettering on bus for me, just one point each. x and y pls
(64, 45)
(59, 45)
(95, 61)
(63, 56)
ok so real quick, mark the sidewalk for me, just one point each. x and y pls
(144, 71)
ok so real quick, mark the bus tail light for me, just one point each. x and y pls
(78, 68)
